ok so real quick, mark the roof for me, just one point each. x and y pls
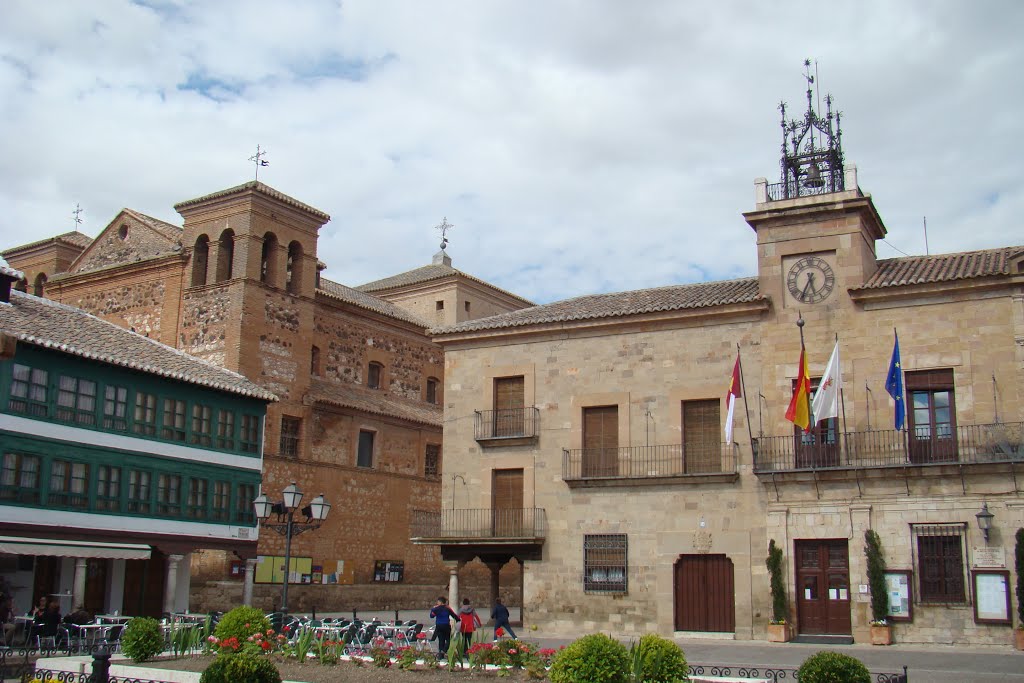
(636, 302)
(916, 270)
(369, 302)
(373, 401)
(168, 230)
(51, 325)
(5, 269)
(433, 271)
(262, 189)
(76, 239)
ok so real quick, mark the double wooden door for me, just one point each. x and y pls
(705, 595)
(823, 587)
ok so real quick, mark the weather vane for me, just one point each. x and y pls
(258, 159)
(444, 227)
(77, 213)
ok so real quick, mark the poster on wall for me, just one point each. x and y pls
(991, 597)
(270, 569)
(899, 586)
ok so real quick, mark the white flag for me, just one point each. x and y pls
(826, 398)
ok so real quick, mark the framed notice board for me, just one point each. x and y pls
(270, 569)
(899, 585)
(388, 572)
(991, 589)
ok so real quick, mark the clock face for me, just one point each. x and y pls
(810, 280)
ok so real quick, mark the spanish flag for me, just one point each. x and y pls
(799, 411)
(735, 392)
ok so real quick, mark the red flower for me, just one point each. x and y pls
(265, 645)
(499, 632)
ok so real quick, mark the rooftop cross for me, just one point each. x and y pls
(444, 226)
(258, 159)
(77, 213)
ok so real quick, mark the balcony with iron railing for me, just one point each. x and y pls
(514, 424)
(631, 465)
(523, 526)
(1000, 442)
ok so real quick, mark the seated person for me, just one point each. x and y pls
(7, 619)
(78, 617)
(45, 626)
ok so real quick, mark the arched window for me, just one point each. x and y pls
(226, 257)
(40, 284)
(200, 260)
(314, 362)
(375, 375)
(294, 274)
(268, 259)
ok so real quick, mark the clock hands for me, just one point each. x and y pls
(809, 285)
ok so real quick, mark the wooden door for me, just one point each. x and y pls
(96, 586)
(601, 441)
(705, 598)
(507, 503)
(823, 587)
(702, 436)
(509, 406)
(144, 586)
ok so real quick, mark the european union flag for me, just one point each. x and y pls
(894, 383)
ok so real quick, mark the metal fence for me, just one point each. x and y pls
(480, 523)
(515, 423)
(645, 462)
(775, 674)
(24, 665)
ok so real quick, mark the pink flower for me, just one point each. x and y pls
(512, 651)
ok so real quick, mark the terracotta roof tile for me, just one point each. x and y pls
(916, 270)
(168, 230)
(673, 298)
(76, 239)
(368, 301)
(261, 188)
(433, 271)
(51, 325)
(358, 397)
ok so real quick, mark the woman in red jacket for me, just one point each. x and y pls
(469, 621)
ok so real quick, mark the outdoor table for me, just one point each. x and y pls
(24, 624)
(90, 633)
(193, 617)
(112, 618)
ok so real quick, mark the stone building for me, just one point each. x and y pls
(591, 434)
(359, 381)
(121, 457)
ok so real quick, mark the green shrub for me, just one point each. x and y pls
(241, 667)
(876, 576)
(142, 639)
(596, 658)
(774, 563)
(661, 660)
(1019, 550)
(832, 667)
(242, 622)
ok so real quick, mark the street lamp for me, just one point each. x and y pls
(984, 520)
(285, 524)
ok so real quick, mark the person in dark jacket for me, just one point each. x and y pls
(442, 615)
(500, 616)
(46, 625)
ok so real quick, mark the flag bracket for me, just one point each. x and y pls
(860, 492)
(778, 497)
(963, 482)
(817, 492)
(1013, 470)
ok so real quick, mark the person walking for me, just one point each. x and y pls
(469, 621)
(500, 616)
(442, 615)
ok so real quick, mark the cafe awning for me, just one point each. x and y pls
(21, 545)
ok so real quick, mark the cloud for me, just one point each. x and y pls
(577, 146)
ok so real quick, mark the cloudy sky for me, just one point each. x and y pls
(577, 145)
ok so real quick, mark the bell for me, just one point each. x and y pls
(813, 176)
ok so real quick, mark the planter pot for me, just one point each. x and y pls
(1018, 638)
(778, 633)
(881, 635)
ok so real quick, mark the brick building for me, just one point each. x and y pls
(359, 382)
(591, 434)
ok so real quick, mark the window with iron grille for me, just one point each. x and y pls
(174, 420)
(168, 495)
(226, 429)
(250, 436)
(108, 488)
(145, 413)
(69, 483)
(115, 408)
(221, 500)
(244, 511)
(139, 491)
(365, 456)
(19, 479)
(28, 391)
(940, 562)
(76, 400)
(202, 425)
(432, 461)
(290, 427)
(605, 563)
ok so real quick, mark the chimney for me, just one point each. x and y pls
(8, 276)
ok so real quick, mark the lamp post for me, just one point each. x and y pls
(285, 524)
(984, 520)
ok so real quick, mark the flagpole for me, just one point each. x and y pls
(803, 350)
(842, 395)
(743, 387)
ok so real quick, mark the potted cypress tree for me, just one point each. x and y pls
(1018, 632)
(778, 629)
(881, 629)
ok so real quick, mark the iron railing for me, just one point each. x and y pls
(831, 181)
(967, 444)
(776, 674)
(513, 423)
(480, 523)
(645, 462)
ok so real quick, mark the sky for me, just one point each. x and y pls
(577, 146)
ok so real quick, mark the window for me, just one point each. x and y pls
(940, 558)
(702, 437)
(202, 425)
(221, 500)
(268, 259)
(39, 286)
(168, 495)
(145, 413)
(200, 259)
(244, 511)
(225, 256)
(115, 408)
(76, 400)
(439, 305)
(139, 492)
(250, 436)
(28, 391)
(604, 563)
(174, 420)
(69, 483)
(196, 499)
(290, 430)
(432, 462)
(365, 456)
(374, 375)
(432, 386)
(226, 429)
(108, 488)
(293, 271)
(601, 441)
(818, 447)
(314, 361)
(467, 307)
(932, 418)
(19, 479)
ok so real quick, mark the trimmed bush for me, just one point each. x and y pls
(142, 639)
(662, 661)
(242, 622)
(239, 668)
(832, 667)
(1019, 565)
(780, 609)
(596, 658)
(876, 576)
